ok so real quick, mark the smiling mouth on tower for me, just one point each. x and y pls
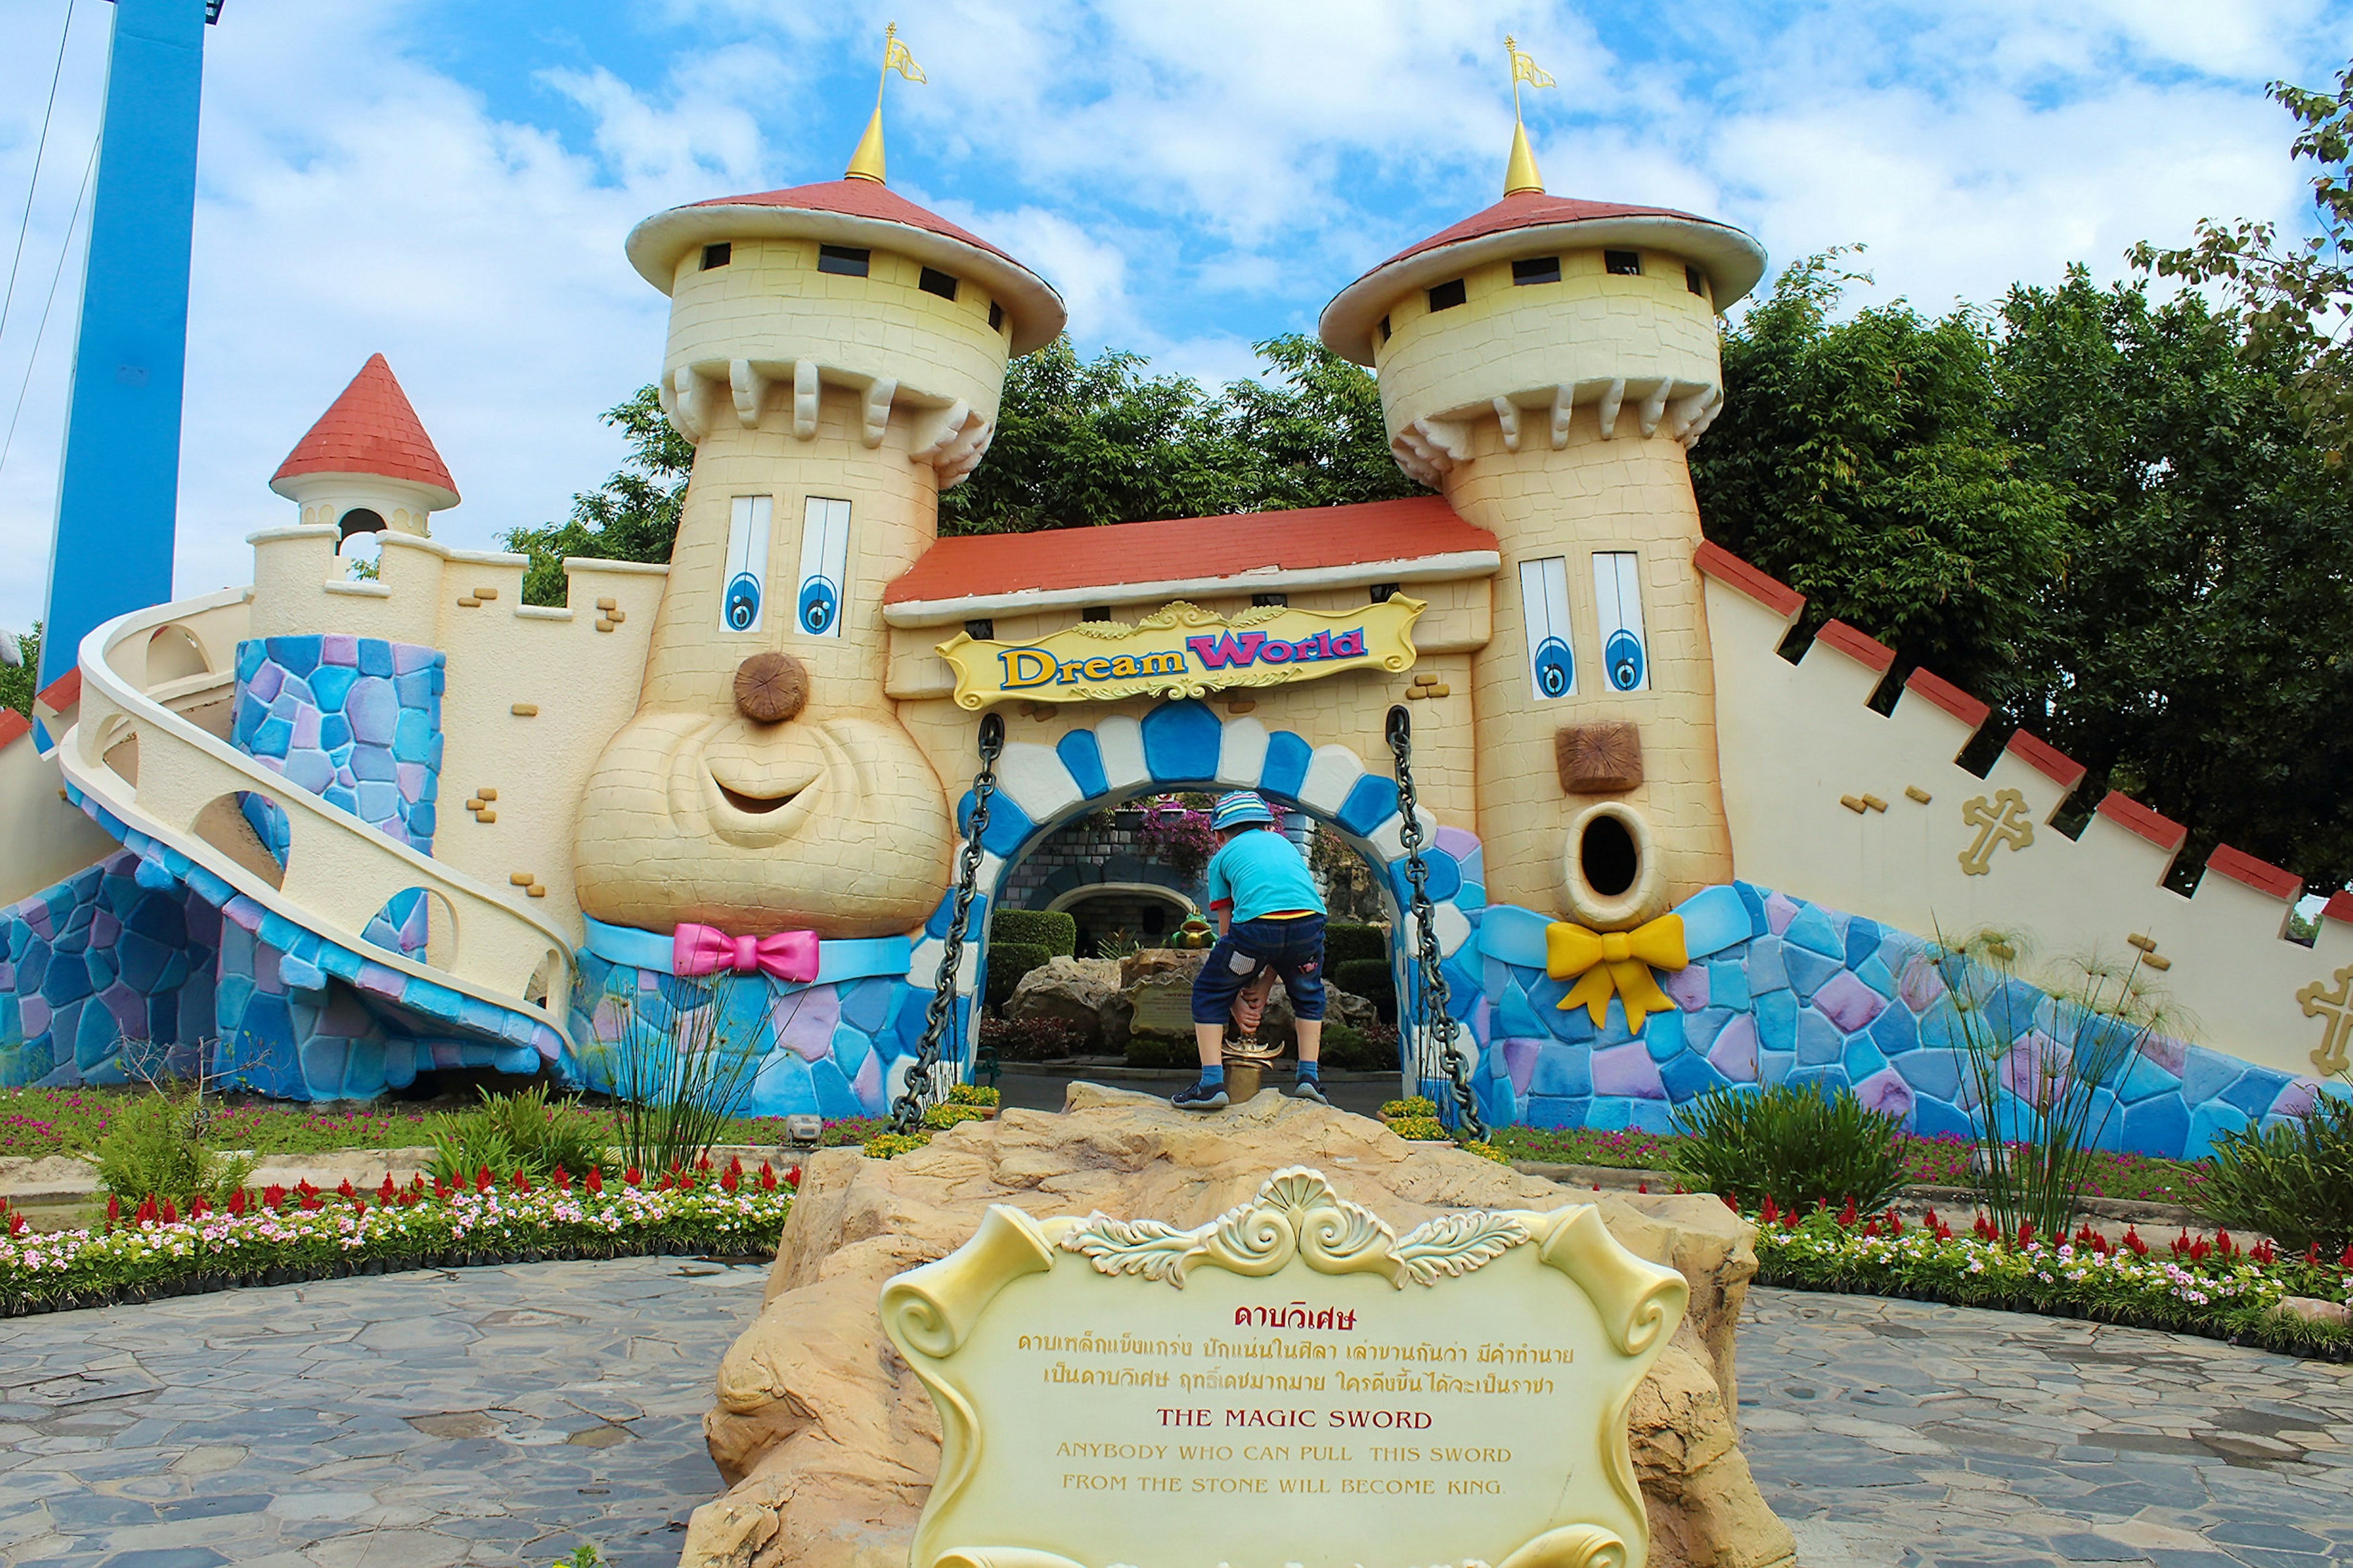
(755, 805)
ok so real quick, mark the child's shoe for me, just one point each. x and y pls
(1201, 1095)
(1309, 1087)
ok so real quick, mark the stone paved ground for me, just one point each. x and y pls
(497, 1415)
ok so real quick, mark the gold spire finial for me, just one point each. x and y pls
(866, 163)
(1520, 175)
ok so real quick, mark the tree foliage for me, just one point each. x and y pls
(16, 680)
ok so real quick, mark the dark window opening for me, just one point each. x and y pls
(981, 630)
(360, 520)
(995, 317)
(1269, 601)
(1384, 329)
(1447, 295)
(1095, 613)
(1384, 592)
(1608, 855)
(1694, 282)
(1623, 263)
(849, 260)
(1537, 269)
(934, 281)
(718, 254)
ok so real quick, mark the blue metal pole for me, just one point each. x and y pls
(117, 489)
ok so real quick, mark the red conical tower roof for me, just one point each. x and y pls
(370, 429)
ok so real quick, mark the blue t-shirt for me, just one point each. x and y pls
(1260, 874)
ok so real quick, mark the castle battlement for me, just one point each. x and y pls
(1829, 799)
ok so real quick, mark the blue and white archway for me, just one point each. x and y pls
(1186, 746)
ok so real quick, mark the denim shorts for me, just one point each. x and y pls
(1293, 949)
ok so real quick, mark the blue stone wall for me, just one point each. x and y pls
(98, 962)
(355, 720)
(826, 1050)
(1818, 995)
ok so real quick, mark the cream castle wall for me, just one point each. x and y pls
(1556, 415)
(746, 327)
(575, 671)
(862, 847)
(1798, 744)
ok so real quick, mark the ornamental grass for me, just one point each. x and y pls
(2205, 1285)
(277, 1236)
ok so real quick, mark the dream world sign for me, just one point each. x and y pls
(1181, 650)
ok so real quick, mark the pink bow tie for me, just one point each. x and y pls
(706, 950)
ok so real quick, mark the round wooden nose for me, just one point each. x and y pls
(771, 688)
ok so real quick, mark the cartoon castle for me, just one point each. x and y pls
(333, 831)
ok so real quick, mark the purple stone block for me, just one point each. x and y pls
(805, 1021)
(1778, 912)
(412, 780)
(374, 708)
(33, 1013)
(408, 656)
(1628, 1071)
(2033, 1066)
(1520, 1061)
(339, 647)
(263, 687)
(1920, 985)
(103, 929)
(266, 977)
(2295, 1098)
(130, 1009)
(1734, 1052)
(1847, 1001)
(2166, 1052)
(376, 979)
(306, 729)
(1886, 1091)
(1456, 842)
(1687, 986)
(868, 1085)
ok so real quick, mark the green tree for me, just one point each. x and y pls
(1862, 462)
(16, 680)
(633, 516)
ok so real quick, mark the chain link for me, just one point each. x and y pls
(1430, 1014)
(907, 1111)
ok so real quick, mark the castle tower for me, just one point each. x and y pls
(367, 465)
(836, 354)
(1546, 364)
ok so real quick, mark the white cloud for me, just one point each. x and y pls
(1191, 178)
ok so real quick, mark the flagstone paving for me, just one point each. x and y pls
(498, 1416)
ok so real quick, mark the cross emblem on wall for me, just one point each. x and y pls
(2332, 1006)
(2002, 820)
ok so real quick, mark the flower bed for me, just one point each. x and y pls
(279, 1237)
(2201, 1285)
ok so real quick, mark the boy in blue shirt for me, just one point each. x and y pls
(1269, 918)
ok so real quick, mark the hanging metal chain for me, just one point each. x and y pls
(907, 1111)
(1429, 1016)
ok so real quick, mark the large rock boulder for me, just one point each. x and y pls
(1081, 992)
(829, 1447)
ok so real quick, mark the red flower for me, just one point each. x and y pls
(522, 1182)
(1642, 1186)
(438, 1190)
(703, 1163)
(2025, 1233)
(359, 1206)
(237, 1203)
(1846, 1215)
(481, 1178)
(793, 1179)
(306, 1189)
(2133, 1243)
(2182, 1243)
(1895, 1221)
(273, 1196)
(170, 1212)
(345, 1190)
(727, 1178)
(2222, 1244)
(386, 1193)
(563, 1179)
(2264, 1253)
(197, 1207)
(734, 1166)
(2346, 1261)
(767, 1178)
(145, 1214)
(1770, 1212)
(15, 1223)
(1870, 1227)
(595, 1179)
(114, 1211)
(632, 1177)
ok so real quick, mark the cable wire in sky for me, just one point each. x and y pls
(63, 251)
(25, 224)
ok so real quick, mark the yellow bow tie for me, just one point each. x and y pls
(1618, 963)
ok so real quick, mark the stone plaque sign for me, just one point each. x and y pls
(1292, 1384)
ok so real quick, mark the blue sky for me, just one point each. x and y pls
(450, 182)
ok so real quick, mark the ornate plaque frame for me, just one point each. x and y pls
(1295, 1221)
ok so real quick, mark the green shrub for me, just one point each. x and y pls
(889, 1145)
(1007, 963)
(511, 1133)
(1032, 1039)
(1344, 942)
(1370, 978)
(1345, 1049)
(1794, 1143)
(1053, 930)
(1420, 1129)
(940, 1118)
(1413, 1105)
(1156, 1048)
(971, 1094)
(155, 1146)
(2292, 1181)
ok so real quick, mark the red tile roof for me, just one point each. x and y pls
(2260, 875)
(1734, 572)
(856, 198)
(1857, 645)
(370, 429)
(2046, 759)
(2154, 826)
(1948, 695)
(1529, 209)
(1187, 549)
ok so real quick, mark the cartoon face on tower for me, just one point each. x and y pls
(1546, 364)
(836, 354)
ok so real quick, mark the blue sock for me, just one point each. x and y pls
(1212, 1076)
(1309, 1069)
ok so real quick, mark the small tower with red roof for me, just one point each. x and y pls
(1546, 364)
(367, 465)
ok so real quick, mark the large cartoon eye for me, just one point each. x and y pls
(1623, 657)
(1556, 671)
(744, 601)
(818, 606)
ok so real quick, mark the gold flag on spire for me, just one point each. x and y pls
(1520, 175)
(866, 163)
